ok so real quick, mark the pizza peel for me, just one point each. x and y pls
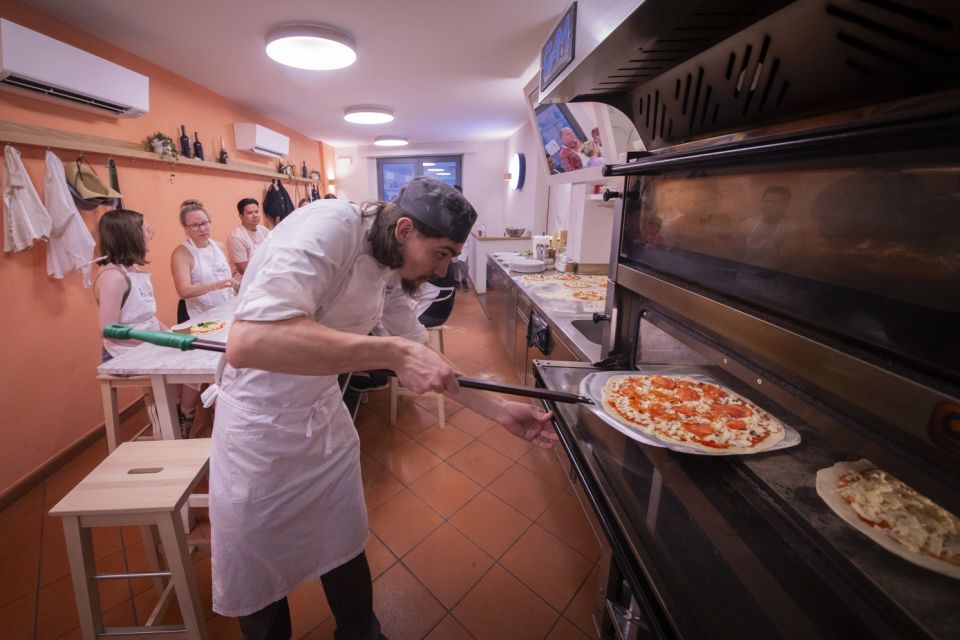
(188, 342)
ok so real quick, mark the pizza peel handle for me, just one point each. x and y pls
(160, 338)
(511, 389)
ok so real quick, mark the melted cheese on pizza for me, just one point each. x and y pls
(689, 411)
(908, 517)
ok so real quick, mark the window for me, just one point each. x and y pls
(393, 173)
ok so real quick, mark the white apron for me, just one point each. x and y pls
(25, 219)
(286, 497)
(138, 311)
(71, 246)
(209, 265)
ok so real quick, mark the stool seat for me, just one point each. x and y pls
(145, 484)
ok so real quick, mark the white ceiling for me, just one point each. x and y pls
(452, 70)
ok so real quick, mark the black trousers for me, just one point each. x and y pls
(349, 592)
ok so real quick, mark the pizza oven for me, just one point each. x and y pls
(792, 232)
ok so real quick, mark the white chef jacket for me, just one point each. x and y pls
(25, 220)
(286, 498)
(71, 246)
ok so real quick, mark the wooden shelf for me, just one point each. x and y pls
(23, 134)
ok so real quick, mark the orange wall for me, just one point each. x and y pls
(48, 395)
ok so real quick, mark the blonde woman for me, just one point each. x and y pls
(203, 279)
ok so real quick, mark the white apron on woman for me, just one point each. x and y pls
(286, 497)
(209, 265)
(139, 310)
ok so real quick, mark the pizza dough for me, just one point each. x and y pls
(893, 515)
(210, 326)
(590, 295)
(692, 413)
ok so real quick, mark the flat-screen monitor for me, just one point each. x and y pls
(566, 144)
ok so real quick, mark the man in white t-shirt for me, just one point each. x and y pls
(250, 233)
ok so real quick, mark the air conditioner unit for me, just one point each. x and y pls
(41, 67)
(253, 137)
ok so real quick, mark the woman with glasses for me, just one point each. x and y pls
(203, 279)
(201, 271)
(123, 291)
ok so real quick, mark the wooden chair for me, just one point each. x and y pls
(435, 341)
(111, 412)
(143, 484)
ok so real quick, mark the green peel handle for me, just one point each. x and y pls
(161, 338)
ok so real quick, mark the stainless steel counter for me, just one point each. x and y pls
(563, 326)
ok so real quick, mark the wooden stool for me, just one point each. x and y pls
(145, 484)
(111, 412)
(435, 342)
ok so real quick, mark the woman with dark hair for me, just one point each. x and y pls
(124, 293)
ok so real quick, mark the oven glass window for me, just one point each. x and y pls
(868, 250)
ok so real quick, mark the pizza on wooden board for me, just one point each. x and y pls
(893, 514)
(690, 412)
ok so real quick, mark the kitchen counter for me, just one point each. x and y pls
(563, 321)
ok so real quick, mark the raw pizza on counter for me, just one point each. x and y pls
(692, 413)
(893, 515)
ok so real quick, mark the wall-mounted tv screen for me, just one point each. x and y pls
(566, 146)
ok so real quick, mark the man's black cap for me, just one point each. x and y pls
(438, 206)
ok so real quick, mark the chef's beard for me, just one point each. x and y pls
(411, 287)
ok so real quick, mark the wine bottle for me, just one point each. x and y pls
(184, 142)
(303, 170)
(197, 147)
(224, 158)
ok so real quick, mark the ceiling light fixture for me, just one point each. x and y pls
(390, 141)
(445, 173)
(311, 46)
(435, 170)
(429, 164)
(368, 114)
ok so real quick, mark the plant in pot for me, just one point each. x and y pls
(162, 144)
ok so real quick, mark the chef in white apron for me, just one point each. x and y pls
(124, 293)
(286, 498)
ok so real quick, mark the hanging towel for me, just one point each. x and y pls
(70, 246)
(25, 220)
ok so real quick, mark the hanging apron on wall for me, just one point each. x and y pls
(71, 246)
(209, 265)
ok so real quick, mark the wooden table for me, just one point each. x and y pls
(168, 367)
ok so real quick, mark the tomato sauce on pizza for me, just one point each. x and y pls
(691, 412)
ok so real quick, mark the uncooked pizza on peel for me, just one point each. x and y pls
(690, 412)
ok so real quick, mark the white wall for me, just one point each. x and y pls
(484, 164)
(527, 207)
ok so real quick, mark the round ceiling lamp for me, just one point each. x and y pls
(518, 171)
(390, 141)
(316, 47)
(368, 114)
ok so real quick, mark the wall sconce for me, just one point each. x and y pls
(518, 171)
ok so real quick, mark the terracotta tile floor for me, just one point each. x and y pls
(474, 533)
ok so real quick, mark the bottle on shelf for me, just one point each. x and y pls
(185, 150)
(197, 146)
(224, 158)
(303, 169)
